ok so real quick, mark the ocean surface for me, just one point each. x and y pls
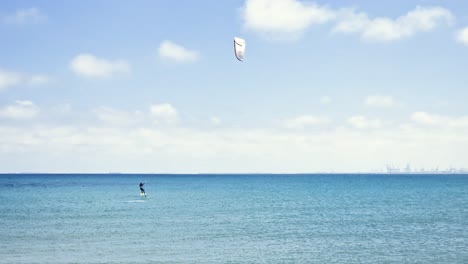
(233, 219)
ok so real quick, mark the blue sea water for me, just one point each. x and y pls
(234, 219)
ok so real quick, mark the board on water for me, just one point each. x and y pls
(143, 194)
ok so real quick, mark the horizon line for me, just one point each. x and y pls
(463, 171)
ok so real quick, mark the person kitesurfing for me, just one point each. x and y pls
(141, 189)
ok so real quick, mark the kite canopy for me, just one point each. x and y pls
(239, 48)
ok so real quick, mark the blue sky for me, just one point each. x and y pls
(153, 86)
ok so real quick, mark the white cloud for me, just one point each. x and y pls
(305, 121)
(178, 150)
(292, 17)
(88, 65)
(325, 100)
(38, 79)
(379, 101)
(25, 16)
(422, 19)
(283, 16)
(215, 120)
(118, 117)
(165, 113)
(105, 147)
(10, 78)
(20, 110)
(425, 118)
(175, 52)
(362, 122)
(462, 36)
(158, 114)
(62, 109)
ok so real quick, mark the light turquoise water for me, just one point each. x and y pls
(234, 219)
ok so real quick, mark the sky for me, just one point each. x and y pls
(154, 86)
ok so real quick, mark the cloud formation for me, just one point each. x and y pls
(325, 100)
(10, 78)
(304, 121)
(118, 117)
(186, 150)
(293, 17)
(88, 65)
(157, 114)
(26, 16)
(421, 19)
(149, 147)
(462, 36)
(215, 120)
(20, 110)
(283, 16)
(362, 122)
(177, 53)
(379, 101)
(424, 118)
(164, 113)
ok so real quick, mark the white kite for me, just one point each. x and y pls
(239, 48)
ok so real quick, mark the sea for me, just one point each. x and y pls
(247, 218)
